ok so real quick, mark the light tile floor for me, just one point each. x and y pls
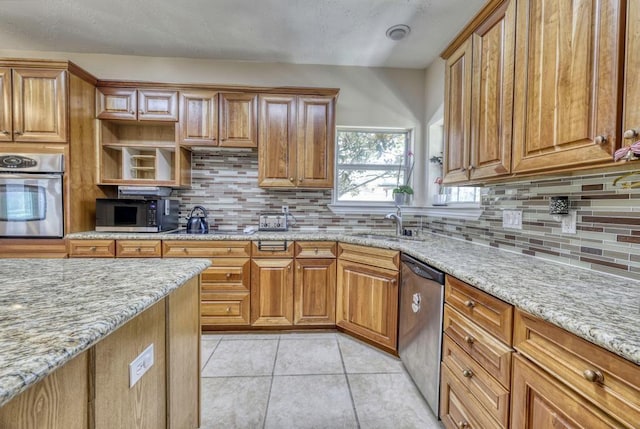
(306, 380)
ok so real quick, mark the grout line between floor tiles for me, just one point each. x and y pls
(346, 377)
(273, 370)
(209, 358)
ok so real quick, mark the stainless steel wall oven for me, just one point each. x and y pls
(31, 203)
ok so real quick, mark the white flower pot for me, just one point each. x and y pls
(402, 199)
(440, 199)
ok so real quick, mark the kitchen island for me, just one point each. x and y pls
(89, 314)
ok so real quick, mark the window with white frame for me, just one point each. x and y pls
(371, 163)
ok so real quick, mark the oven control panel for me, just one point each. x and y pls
(32, 162)
(17, 161)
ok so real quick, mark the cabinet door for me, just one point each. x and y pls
(315, 292)
(277, 136)
(39, 105)
(367, 302)
(116, 103)
(492, 94)
(457, 114)
(565, 103)
(539, 401)
(6, 127)
(271, 292)
(631, 119)
(316, 142)
(238, 120)
(157, 105)
(198, 118)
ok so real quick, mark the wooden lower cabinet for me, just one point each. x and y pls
(367, 302)
(315, 292)
(92, 248)
(272, 292)
(540, 401)
(138, 249)
(226, 298)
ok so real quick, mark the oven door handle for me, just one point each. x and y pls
(32, 176)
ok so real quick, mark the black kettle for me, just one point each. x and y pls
(197, 225)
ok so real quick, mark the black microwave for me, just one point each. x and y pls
(133, 215)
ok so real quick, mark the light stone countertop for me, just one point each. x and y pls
(601, 308)
(51, 310)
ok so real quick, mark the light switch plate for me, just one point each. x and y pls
(512, 219)
(140, 365)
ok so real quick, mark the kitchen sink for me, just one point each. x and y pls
(386, 237)
(212, 232)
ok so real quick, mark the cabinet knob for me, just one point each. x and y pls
(132, 112)
(630, 134)
(315, 250)
(463, 425)
(138, 249)
(469, 339)
(93, 248)
(467, 373)
(228, 275)
(141, 112)
(289, 267)
(184, 249)
(228, 249)
(469, 304)
(600, 140)
(4, 132)
(463, 169)
(299, 267)
(222, 139)
(593, 376)
(290, 179)
(228, 309)
(393, 281)
(471, 167)
(18, 132)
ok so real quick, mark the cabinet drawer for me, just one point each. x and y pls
(485, 389)
(383, 258)
(92, 248)
(458, 408)
(229, 274)
(571, 359)
(315, 249)
(272, 249)
(488, 312)
(490, 353)
(230, 308)
(138, 248)
(205, 249)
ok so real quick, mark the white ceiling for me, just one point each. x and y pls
(339, 32)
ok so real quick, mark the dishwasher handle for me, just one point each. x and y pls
(423, 270)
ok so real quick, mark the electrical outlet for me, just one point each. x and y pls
(285, 209)
(140, 365)
(512, 219)
(569, 222)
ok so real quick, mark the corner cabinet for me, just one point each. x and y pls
(37, 111)
(367, 293)
(297, 141)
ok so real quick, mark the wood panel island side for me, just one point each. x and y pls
(71, 332)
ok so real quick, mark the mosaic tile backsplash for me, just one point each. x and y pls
(608, 217)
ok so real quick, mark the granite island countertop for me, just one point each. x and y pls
(601, 308)
(52, 310)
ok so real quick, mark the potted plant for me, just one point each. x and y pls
(402, 194)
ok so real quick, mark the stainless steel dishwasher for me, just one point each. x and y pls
(420, 326)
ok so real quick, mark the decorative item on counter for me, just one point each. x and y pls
(402, 194)
(197, 224)
(440, 199)
(558, 207)
(629, 153)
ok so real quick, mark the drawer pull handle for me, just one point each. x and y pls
(467, 373)
(469, 339)
(93, 248)
(593, 376)
(469, 304)
(463, 425)
(228, 275)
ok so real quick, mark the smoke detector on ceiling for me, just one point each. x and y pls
(398, 32)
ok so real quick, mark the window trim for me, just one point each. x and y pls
(377, 206)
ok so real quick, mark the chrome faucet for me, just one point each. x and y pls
(397, 218)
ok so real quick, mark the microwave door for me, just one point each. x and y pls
(31, 205)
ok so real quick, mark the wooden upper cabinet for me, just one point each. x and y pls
(131, 104)
(631, 118)
(6, 125)
(567, 76)
(492, 94)
(238, 120)
(198, 118)
(117, 103)
(316, 142)
(39, 105)
(457, 114)
(154, 105)
(277, 136)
